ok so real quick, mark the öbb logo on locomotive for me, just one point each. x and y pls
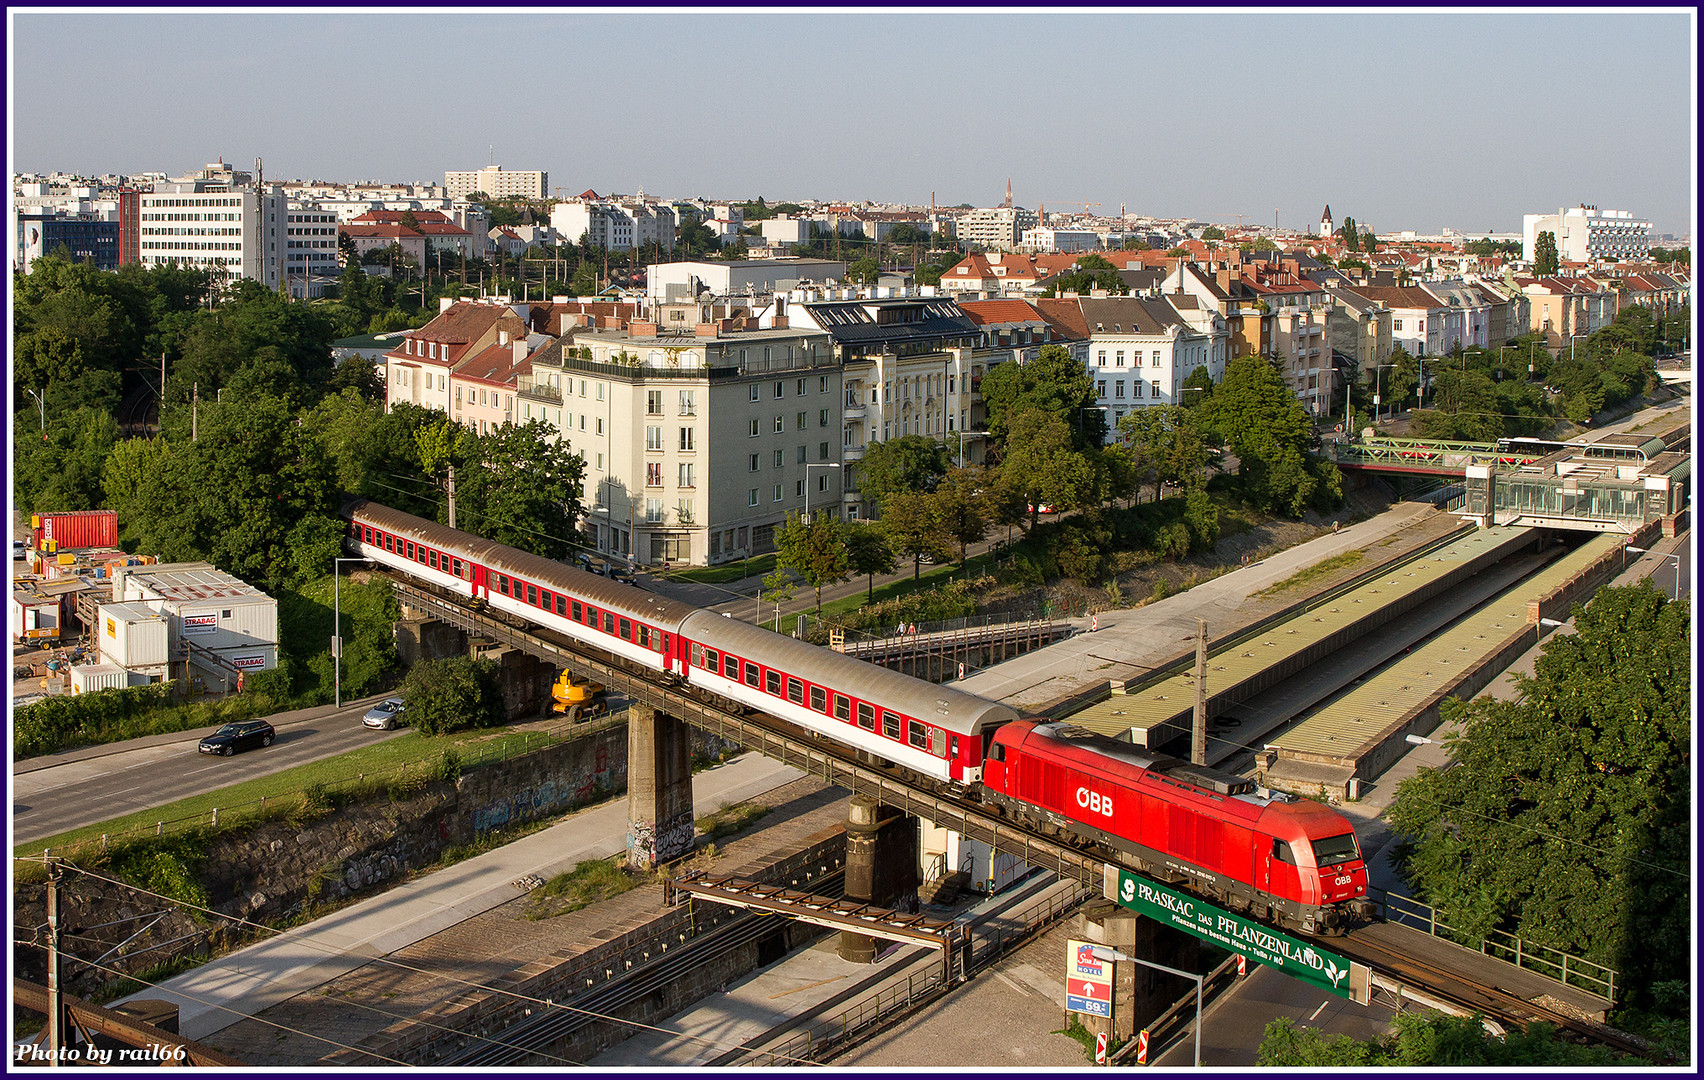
(1094, 802)
(1262, 853)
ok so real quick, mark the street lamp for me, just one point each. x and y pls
(962, 433)
(337, 627)
(1378, 385)
(1661, 555)
(806, 517)
(1105, 955)
(43, 403)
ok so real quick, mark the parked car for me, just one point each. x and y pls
(620, 572)
(238, 736)
(383, 715)
(590, 563)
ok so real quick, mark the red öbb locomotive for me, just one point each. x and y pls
(1290, 860)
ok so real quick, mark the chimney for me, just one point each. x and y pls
(1224, 276)
(642, 328)
(503, 338)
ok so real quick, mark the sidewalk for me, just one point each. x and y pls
(238, 985)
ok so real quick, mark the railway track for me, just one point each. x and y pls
(832, 764)
(1450, 986)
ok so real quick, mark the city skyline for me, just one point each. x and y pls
(1401, 120)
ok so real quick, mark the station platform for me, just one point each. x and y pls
(1358, 736)
(1153, 713)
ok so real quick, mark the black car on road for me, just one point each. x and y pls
(238, 736)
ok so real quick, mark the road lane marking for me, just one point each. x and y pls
(1319, 1010)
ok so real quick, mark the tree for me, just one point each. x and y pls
(519, 485)
(1165, 444)
(1133, 243)
(1545, 259)
(816, 551)
(909, 463)
(449, 695)
(1212, 232)
(1054, 382)
(868, 552)
(1422, 1039)
(777, 590)
(1351, 234)
(913, 524)
(1587, 769)
(1044, 465)
(1369, 242)
(864, 272)
(1261, 243)
(1259, 420)
(959, 507)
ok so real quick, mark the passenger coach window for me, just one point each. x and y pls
(842, 707)
(866, 717)
(916, 734)
(890, 725)
(432, 559)
(503, 584)
(751, 673)
(410, 552)
(730, 666)
(455, 567)
(390, 542)
(710, 660)
(367, 533)
(608, 623)
(561, 604)
(697, 655)
(579, 615)
(795, 691)
(772, 682)
(532, 595)
(819, 700)
(626, 630)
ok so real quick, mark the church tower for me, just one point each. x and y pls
(1325, 229)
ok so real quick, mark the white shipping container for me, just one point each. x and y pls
(87, 678)
(132, 636)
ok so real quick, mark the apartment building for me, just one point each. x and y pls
(698, 444)
(997, 229)
(1586, 234)
(418, 370)
(310, 262)
(205, 225)
(498, 183)
(907, 369)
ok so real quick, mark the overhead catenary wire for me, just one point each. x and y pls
(390, 962)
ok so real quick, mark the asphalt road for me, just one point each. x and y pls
(1233, 1025)
(66, 791)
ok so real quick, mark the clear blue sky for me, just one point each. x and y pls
(1405, 120)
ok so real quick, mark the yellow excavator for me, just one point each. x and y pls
(578, 698)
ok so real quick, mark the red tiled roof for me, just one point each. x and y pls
(993, 312)
(394, 232)
(442, 228)
(394, 217)
(1064, 316)
(494, 365)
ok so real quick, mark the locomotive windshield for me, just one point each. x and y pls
(1335, 849)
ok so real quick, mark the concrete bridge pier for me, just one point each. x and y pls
(881, 867)
(1139, 994)
(659, 787)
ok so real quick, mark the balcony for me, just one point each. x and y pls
(851, 453)
(852, 412)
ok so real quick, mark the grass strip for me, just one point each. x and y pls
(1310, 574)
(377, 762)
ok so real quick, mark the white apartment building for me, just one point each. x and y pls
(1054, 240)
(497, 183)
(242, 233)
(1585, 234)
(675, 281)
(310, 257)
(599, 223)
(697, 444)
(1000, 228)
(1140, 352)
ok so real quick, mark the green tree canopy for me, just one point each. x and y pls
(1166, 445)
(910, 463)
(1259, 420)
(1545, 258)
(868, 552)
(1212, 232)
(1045, 466)
(1422, 1039)
(912, 521)
(453, 694)
(519, 485)
(1587, 772)
(815, 551)
(960, 507)
(1054, 382)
